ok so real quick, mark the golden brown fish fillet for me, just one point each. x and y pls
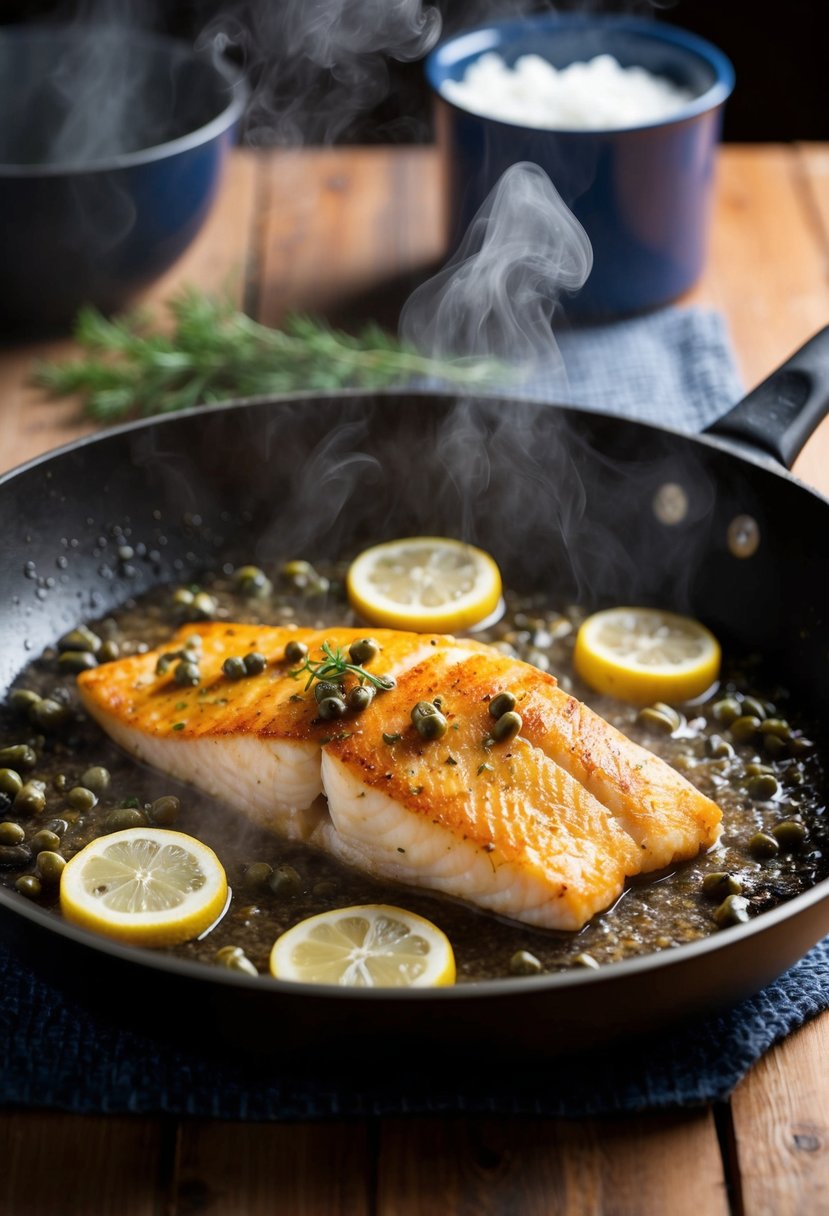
(544, 828)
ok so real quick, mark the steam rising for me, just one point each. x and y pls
(320, 63)
(498, 294)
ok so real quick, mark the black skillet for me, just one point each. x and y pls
(566, 500)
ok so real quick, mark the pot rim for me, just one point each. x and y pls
(175, 48)
(494, 35)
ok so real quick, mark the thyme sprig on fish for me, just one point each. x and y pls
(335, 666)
(213, 352)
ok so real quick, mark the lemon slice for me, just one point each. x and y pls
(424, 583)
(644, 654)
(146, 886)
(369, 946)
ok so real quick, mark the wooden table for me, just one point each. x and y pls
(326, 230)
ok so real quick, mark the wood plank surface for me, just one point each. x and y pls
(76, 1165)
(648, 1165)
(257, 1169)
(347, 231)
(781, 1127)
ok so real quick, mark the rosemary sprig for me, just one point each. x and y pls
(335, 666)
(214, 352)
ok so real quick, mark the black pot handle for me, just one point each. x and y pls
(779, 415)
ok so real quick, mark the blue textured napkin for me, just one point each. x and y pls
(674, 368)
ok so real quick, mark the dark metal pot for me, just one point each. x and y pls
(111, 150)
(566, 500)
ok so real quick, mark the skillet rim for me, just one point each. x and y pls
(714, 943)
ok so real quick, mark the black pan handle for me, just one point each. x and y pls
(779, 415)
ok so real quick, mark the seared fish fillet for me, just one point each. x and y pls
(544, 828)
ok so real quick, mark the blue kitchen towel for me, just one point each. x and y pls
(59, 1055)
(674, 368)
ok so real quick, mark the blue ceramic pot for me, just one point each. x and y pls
(643, 194)
(111, 149)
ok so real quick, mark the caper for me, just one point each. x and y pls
(183, 597)
(258, 874)
(96, 779)
(732, 911)
(501, 704)
(762, 787)
(10, 782)
(363, 651)
(251, 581)
(187, 674)
(22, 700)
(326, 688)
(234, 668)
(296, 652)
(58, 826)
(123, 817)
(190, 655)
(234, 958)
(762, 846)
(718, 748)
(29, 885)
(19, 756)
(73, 661)
(524, 963)
(778, 727)
(384, 683)
(44, 840)
(754, 769)
(109, 651)
(360, 697)
(61, 782)
(49, 715)
(204, 606)
(745, 727)
(255, 663)
(720, 884)
(164, 811)
(285, 881)
(298, 572)
(193, 641)
(80, 639)
(774, 746)
(423, 709)
(50, 866)
(801, 746)
(431, 727)
(81, 799)
(507, 726)
(11, 833)
(654, 719)
(727, 710)
(753, 707)
(790, 834)
(669, 712)
(586, 960)
(31, 798)
(325, 888)
(331, 707)
(14, 856)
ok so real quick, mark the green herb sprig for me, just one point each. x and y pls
(335, 666)
(214, 352)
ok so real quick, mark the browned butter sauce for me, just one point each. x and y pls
(664, 911)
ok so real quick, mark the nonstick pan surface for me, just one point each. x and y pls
(566, 500)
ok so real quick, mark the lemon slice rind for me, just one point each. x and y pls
(423, 584)
(643, 655)
(144, 886)
(366, 946)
